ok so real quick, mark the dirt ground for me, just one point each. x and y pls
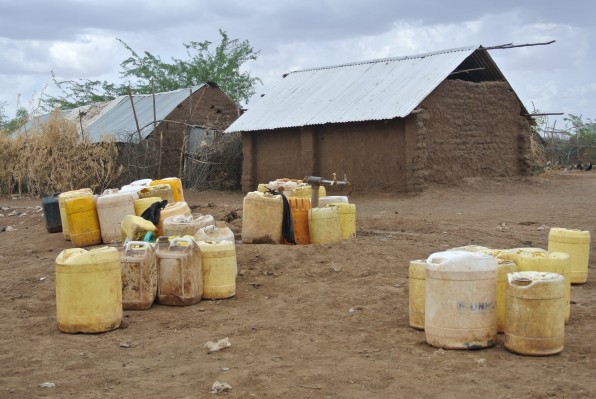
(307, 321)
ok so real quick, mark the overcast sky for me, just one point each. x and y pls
(77, 39)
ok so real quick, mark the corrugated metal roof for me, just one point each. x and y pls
(116, 118)
(369, 90)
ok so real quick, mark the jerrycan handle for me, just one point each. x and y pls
(143, 244)
(176, 240)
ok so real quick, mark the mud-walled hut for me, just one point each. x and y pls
(173, 122)
(394, 124)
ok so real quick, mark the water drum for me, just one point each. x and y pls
(460, 304)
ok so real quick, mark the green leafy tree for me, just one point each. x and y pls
(7, 125)
(75, 93)
(145, 72)
(582, 138)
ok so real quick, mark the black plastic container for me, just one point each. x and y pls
(51, 211)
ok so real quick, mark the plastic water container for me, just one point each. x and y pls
(141, 182)
(535, 313)
(135, 228)
(179, 271)
(550, 262)
(504, 267)
(88, 290)
(215, 233)
(219, 269)
(142, 204)
(470, 248)
(181, 225)
(139, 275)
(347, 219)
(175, 209)
(51, 213)
(305, 190)
(332, 199)
(576, 243)
(323, 225)
(111, 210)
(299, 207)
(61, 199)
(132, 190)
(460, 305)
(262, 215)
(163, 191)
(416, 292)
(81, 214)
(176, 185)
(512, 254)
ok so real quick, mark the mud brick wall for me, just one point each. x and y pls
(209, 107)
(371, 154)
(469, 130)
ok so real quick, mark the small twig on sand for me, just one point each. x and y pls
(305, 386)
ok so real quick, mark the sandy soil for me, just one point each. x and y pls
(307, 322)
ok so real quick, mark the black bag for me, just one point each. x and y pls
(153, 212)
(287, 226)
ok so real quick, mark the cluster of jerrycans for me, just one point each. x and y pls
(93, 287)
(177, 272)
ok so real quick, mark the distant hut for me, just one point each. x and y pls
(166, 118)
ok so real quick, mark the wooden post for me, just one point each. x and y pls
(134, 113)
(155, 132)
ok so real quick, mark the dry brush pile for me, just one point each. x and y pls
(55, 157)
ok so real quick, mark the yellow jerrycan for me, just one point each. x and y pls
(535, 313)
(176, 185)
(512, 254)
(219, 269)
(139, 275)
(504, 267)
(551, 262)
(323, 225)
(143, 203)
(61, 201)
(163, 191)
(81, 213)
(347, 219)
(576, 243)
(135, 228)
(416, 292)
(88, 290)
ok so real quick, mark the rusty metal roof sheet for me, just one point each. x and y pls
(362, 91)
